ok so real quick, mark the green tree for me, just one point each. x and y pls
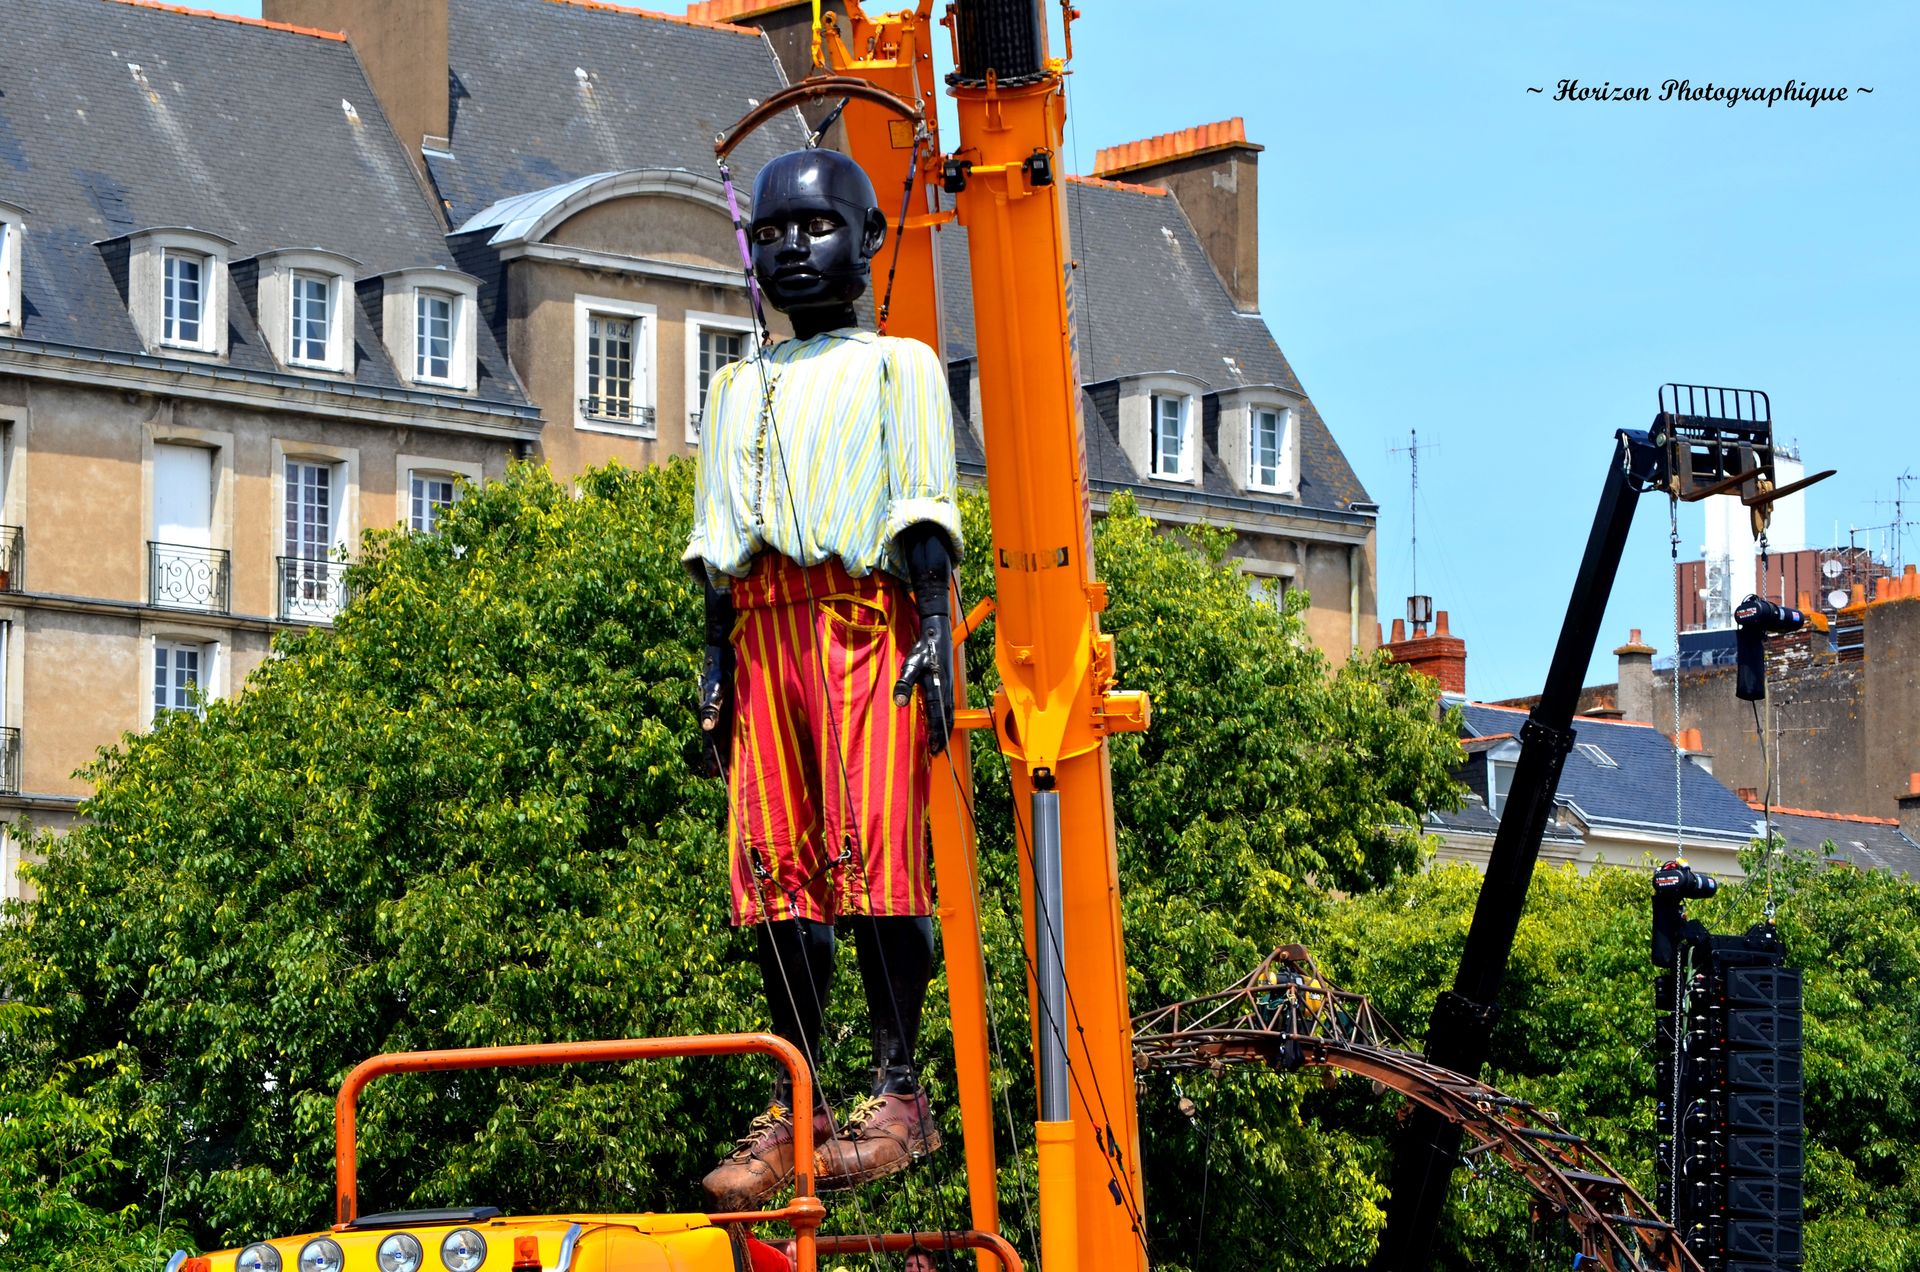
(1575, 1035)
(464, 815)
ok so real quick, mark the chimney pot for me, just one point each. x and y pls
(1633, 636)
(1749, 794)
(1399, 631)
(1440, 624)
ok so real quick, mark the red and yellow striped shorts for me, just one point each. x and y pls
(828, 779)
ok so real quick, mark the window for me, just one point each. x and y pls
(613, 384)
(1595, 754)
(11, 234)
(433, 335)
(431, 493)
(1499, 782)
(1267, 589)
(1267, 466)
(1172, 456)
(183, 298)
(714, 347)
(176, 677)
(311, 581)
(609, 367)
(312, 342)
(310, 513)
(184, 571)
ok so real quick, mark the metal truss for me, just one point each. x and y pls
(1286, 1014)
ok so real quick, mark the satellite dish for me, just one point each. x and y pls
(1838, 598)
(1831, 568)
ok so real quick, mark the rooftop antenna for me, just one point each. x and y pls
(1895, 548)
(1418, 614)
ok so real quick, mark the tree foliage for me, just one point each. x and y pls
(464, 815)
(1575, 1035)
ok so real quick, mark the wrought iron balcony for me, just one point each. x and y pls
(311, 591)
(180, 576)
(617, 411)
(9, 761)
(13, 551)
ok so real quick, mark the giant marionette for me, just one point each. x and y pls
(825, 529)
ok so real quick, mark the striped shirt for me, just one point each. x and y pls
(858, 446)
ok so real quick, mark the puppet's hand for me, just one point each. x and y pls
(929, 665)
(716, 707)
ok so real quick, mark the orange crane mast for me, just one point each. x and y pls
(1057, 701)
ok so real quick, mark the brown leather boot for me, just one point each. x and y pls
(761, 1162)
(885, 1134)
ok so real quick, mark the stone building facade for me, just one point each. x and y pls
(224, 352)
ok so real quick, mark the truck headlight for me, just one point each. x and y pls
(399, 1253)
(464, 1250)
(321, 1255)
(258, 1257)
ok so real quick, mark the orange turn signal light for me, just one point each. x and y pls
(526, 1254)
(200, 1264)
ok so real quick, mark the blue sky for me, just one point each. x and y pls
(1515, 276)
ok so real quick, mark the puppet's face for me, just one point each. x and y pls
(816, 227)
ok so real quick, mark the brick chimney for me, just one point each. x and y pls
(403, 48)
(1635, 698)
(1440, 655)
(1213, 172)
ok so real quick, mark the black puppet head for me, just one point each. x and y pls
(816, 227)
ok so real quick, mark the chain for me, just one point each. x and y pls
(1673, 540)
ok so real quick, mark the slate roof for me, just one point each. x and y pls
(546, 93)
(1636, 794)
(116, 118)
(1872, 843)
(1148, 300)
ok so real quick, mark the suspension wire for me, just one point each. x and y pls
(1682, 980)
(1768, 776)
(1122, 1192)
(1115, 1185)
(1673, 540)
(963, 798)
(900, 232)
(849, 841)
(1210, 1147)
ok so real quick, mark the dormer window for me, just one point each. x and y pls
(427, 321)
(1269, 464)
(175, 281)
(433, 334)
(13, 232)
(299, 298)
(312, 319)
(1172, 437)
(1257, 436)
(183, 298)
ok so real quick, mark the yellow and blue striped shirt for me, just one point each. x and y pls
(857, 446)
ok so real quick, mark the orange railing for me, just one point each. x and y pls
(803, 1213)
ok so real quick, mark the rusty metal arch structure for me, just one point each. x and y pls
(1287, 1015)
